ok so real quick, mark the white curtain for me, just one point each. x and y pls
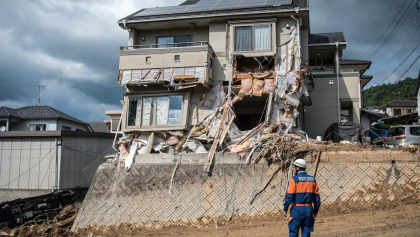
(261, 37)
(243, 38)
(175, 109)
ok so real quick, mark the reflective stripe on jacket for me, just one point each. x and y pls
(303, 189)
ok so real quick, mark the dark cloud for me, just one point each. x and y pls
(72, 47)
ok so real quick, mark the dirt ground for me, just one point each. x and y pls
(403, 220)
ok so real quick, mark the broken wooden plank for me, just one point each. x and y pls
(252, 133)
(226, 130)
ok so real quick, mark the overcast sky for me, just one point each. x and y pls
(72, 47)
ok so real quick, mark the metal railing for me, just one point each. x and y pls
(167, 45)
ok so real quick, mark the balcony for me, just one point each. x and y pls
(173, 55)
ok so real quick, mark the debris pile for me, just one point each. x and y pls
(281, 78)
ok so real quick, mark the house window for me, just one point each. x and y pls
(152, 111)
(65, 128)
(177, 58)
(173, 41)
(252, 38)
(397, 112)
(148, 59)
(37, 127)
(409, 111)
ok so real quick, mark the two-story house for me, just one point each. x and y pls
(39, 118)
(399, 107)
(183, 63)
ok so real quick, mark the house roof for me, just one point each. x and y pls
(37, 112)
(399, 103)
(374, 114)
(210, 8)
(366, 77)
(327, 38)
(8, 112)
(98, 126)
(354, 62)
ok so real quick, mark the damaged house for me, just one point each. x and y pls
(209, 76)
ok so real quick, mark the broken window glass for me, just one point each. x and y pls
(147, 111)
(132, 111)
(175, 109)
(162, 110)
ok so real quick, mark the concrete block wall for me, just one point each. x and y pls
(141, 195)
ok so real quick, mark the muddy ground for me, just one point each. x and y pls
(401, 220)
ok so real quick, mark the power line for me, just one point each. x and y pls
(408, 69)
(377, 27)
(401, 47)
(394, 30)
(385, 30)
(400, 64)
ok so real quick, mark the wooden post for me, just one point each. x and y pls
(316, 163)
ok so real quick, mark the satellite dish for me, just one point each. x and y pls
(3, 129)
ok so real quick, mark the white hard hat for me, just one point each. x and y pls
(300, 163)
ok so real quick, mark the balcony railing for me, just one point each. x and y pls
(168, 45)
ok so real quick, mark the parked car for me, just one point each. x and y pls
(403, 135)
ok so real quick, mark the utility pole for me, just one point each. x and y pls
(39, 92)
(399, 93)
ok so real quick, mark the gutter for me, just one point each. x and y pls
(192, 15)
(328, 44)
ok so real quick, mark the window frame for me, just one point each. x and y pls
(155, 127)
(397, 110)
(272, 26)
(174, 44)
(37, 124)
(64, 128)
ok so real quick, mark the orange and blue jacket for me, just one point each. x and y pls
(303, 189)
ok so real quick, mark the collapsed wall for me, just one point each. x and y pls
(359, 179)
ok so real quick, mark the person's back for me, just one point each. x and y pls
(303, 191)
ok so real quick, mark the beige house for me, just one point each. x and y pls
(178, 57)
(112, 123)
(399, 107)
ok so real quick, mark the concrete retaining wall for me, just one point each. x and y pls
(141, 195)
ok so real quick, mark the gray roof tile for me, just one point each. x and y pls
(354, 62)
(98, 126)
(43, 111)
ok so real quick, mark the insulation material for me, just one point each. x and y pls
(136, 78)
(151, 76)
(246, 86)
(275, 115)
(160, 146)
(196, 147)
(189, 71)
(214, 97)
(293, 99)
(178, 71)
(129, 159)
(199, 73)
(167, 74)
(126, 77)
(257, 88)
(269, 84)
(173, 140)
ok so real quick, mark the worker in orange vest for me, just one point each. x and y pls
(303, 192)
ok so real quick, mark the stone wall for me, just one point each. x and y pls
(141, 195)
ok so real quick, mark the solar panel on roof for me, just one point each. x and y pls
(206, 5)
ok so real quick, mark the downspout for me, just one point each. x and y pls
(56, 165)
(337, 63)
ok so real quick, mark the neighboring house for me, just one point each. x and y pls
(39, 118)
(399, 107)
(112, 124)
(370, 116)
(182, 52)
(99, 127)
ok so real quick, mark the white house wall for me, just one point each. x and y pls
(27, 163)
(24, 124)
